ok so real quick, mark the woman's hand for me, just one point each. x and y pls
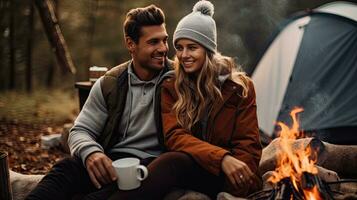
(237, 171)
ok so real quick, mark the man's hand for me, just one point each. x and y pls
(100, 169)
(237, 171)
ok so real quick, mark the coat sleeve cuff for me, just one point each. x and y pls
(216, 168)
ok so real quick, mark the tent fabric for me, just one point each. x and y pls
(312, 63)
(340, 8)
(272, 77)
(324, 79)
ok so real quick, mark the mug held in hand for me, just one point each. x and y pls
(129, 173)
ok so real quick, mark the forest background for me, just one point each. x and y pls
(37, 97)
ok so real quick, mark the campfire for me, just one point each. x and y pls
(296, 167)
(295, 175)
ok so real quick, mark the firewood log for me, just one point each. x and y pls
(23, 184)
(339, 158)
(227, 196)
(324, 174)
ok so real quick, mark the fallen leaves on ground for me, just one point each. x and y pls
(22, 142)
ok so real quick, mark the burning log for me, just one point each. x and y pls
(270, 153)
(314, 187)
(309, 187)
(295, 175)
(341, 159)
(285, 190)
(324, 174)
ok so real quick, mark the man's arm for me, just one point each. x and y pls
(83, 136)
(89, 125)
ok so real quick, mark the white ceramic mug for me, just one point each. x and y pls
(129, 173)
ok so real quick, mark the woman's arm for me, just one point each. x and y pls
(245, 139)
(242, 167)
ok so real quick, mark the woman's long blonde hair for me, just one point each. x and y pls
(196, 95)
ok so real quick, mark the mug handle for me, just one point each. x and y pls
(144, 170)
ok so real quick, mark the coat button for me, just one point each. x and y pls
(234, 87)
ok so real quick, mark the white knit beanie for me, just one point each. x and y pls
(199, 26)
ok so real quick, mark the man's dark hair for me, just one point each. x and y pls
(139, 17)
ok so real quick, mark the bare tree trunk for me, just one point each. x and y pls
(12, 46)
(2, 66)
(29, 50)
(51, 65)
(54, 35)
(3, 13)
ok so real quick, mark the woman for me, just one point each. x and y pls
(209, 109)
(209, 119)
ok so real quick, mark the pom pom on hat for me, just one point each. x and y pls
(205, 7)
(198, 26)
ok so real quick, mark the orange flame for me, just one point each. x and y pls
(293, 162)
(312, 194)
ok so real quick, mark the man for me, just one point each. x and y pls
(120, 117)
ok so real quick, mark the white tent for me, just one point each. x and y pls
(283, 76)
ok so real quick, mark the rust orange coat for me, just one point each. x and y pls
(232, 129)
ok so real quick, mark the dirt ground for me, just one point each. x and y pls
(25, 118)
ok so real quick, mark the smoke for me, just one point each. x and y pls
(242, 55)
(274, 11)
